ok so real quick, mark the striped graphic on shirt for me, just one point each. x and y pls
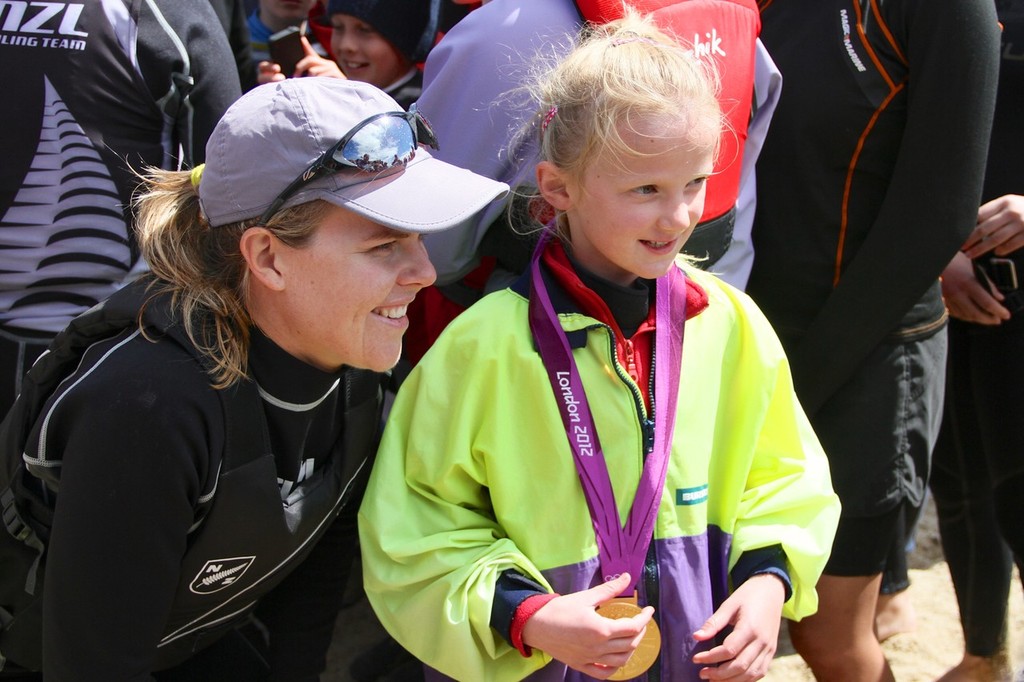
(63, 241)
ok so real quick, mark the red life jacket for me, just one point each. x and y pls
(724, 32)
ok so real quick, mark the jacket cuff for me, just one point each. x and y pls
(530, 606)
(511, 589)
(767, 560)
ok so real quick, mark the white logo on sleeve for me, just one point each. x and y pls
(220, 573)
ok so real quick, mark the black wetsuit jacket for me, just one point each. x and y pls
(870, 176)
(175, 506)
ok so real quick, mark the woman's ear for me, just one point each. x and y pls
(261, 251)
(553, 186)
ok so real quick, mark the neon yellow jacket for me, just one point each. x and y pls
(475, 476)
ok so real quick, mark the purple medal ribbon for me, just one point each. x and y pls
(620, 548)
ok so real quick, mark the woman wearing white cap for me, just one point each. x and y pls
(173, 470)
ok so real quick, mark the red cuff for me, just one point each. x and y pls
(524, 612)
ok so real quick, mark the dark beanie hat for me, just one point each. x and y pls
(409, 25)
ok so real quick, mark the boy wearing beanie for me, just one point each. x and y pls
(381, 42)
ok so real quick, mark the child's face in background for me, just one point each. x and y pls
(364, 54)
(629, 217)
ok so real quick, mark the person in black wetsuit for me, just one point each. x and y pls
(190, 444)
(978, 475)
(867, 185)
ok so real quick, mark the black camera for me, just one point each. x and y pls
(286, 49)
(998, 273)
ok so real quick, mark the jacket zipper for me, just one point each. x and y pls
(652, 582)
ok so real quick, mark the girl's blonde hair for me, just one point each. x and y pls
(617, 72)
(202, 267)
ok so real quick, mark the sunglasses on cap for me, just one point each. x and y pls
(376, 144)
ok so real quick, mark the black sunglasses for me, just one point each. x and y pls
(374, 145)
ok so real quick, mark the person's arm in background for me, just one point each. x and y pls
(232, 17)
(734, 266)
(932, 199)
(468, 97)
(186, 60)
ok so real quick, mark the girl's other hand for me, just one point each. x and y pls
(755, 611)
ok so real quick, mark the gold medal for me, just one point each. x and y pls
(650, 646)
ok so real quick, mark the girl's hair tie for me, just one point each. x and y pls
(547, 117)
(632, 38)
(197, 175)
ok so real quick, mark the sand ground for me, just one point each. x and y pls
(919, 656)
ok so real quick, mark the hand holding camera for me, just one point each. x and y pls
(292, 56)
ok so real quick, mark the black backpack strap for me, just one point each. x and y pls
(24, 533)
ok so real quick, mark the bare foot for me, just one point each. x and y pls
(980, 669)
(894, 615)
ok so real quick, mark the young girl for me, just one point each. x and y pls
(565, 489)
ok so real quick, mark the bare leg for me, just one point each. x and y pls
(838, 642)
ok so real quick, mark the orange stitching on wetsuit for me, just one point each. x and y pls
(888, 33)
(844, 222)
(867, 47)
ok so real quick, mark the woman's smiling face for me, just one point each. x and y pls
(345, 293)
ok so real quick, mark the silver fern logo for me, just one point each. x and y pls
(217, 574)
